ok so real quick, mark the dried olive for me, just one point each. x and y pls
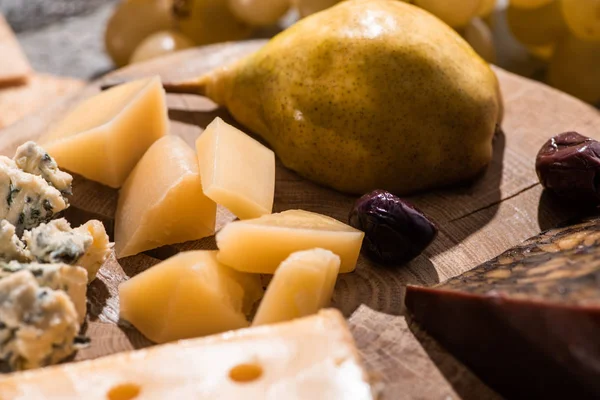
(395, 231)
(569, 165)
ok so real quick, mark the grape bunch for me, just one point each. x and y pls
(143, 29)
(565, 34)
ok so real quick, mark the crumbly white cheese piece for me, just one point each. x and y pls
(33, 159)
(69, 278)
(56, 242)
(38, 326)
(11, 247)
(26, 200)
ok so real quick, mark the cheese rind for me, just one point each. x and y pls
(260, 245)
(301, 286)
(237, 171)
(310, 358)
(162, 201)
(105, 136)
(188, 295)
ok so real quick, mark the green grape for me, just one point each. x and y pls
(583, 18)
(537, 26)
(456, 13)
(529, 3)
(209, 21)
(574, 68)
(479, 36)
(132, 22)
(308, 7)
(486, 7)
(259, 12)
(158, 44)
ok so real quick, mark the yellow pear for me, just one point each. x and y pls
(367, 94)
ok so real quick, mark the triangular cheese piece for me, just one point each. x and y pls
(104, 137)
(310, 358)
(14, 67)
(162, 201)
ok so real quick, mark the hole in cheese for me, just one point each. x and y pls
(124, 391)
(237, 171)
(243, 373)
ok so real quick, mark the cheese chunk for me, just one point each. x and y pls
(162, 201)
(237, 171)
(260, 245)
(56, 242)
(301, 286)
(11, 247)
(312, 358)
(38, 326)
(105, 136)
(68, 278)
(32, 159)
(188, 295)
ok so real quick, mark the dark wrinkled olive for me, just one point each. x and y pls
(395, 231)
(569, 165)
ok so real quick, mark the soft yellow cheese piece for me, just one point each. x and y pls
(301, 286)
(237, 171)
(106, 135)
(260, 245)
(188, 295)
(162, 200)
(312, 358)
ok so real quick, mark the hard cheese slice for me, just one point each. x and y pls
(528, 321)
(237, 171)
(162, 200)
(105, 136)
(301, 286)
(14, 67)
(260, 245)
(311, 358)
(188, 295)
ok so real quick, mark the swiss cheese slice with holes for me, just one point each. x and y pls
(312, 358)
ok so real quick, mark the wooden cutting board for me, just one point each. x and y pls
(476, 222)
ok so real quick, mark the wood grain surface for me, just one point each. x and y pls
(478, 221)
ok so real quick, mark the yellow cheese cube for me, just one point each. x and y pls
(301, 286)
(260, 245)
(105, 136)
(188, 295)
(237, 171)
(162, 200)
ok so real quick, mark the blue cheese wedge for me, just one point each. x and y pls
(27, 200)
(69, 278)
(33, 159)
(38, 325)
(11, 247)
(87, 246)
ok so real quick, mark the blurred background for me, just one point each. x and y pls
(555, 41)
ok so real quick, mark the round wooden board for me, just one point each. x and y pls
(476, 222)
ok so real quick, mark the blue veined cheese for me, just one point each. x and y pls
(11, 247)
(87, 246)
(26, 200)
(70, 279)
(33, 159)
(38, 325)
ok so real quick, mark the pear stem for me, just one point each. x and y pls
(186, 87)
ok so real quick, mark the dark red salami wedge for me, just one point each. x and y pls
(528, 321)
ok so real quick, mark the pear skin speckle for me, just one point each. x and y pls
(369, 94)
